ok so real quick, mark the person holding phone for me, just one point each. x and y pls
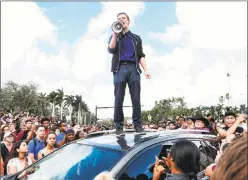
(182, 161)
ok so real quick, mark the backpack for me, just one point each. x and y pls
(34, 139)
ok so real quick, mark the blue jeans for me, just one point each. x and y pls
(127, 74)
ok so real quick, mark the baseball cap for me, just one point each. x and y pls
(7, 134)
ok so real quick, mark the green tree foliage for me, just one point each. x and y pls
(25, 97)
(171, 108)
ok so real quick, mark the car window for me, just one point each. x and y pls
(74, 162)
(141, 164)
(207, 153)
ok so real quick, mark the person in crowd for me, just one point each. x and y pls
(210, 169)
(50, 143)
(12, 127)
(183, 161)
(26, 134)
(233, 163)
(76, 128)
(212, 124)
(79, 135)
(37, 143)
(57, 131)
(162, 125)
(46, 122)
(201, 123)
(230, 138)
(188, 124)
(69, 137)
(232, 124)
(244, 124)
(191, 124)
(61, 135)
(5, 147)
(1, 166)
(4, 129)
(18, 159)
(180, 121)
(172, 125)
(55, 128)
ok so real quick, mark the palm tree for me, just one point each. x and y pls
(80, 106)
(52, 99)
(205, 110)
(235, 110)
(218, 109)
(69, 103)
(42, 103)
(198, 111)
(60, 100)
(212, 111)
(243, 108)
(228, 97)
(221, 99)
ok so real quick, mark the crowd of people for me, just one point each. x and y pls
(26, 139)
(183, 159)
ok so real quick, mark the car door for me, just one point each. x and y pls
(138, 167)
(207, 152)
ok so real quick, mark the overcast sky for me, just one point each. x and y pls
(190, 47)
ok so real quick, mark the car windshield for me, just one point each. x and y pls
(74, 162)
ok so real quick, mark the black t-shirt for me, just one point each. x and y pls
(238, 130)
(5, 154)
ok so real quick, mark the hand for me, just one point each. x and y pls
(241, 117)
(158, 170)
(148, 76)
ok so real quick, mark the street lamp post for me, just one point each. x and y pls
(229, 89)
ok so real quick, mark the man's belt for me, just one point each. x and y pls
(127, 62)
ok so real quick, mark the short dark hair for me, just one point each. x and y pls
(209, 115)
(123, 13)
(28, 120)
(44, 119)
(39, 126)
(61, 122)
(180, 117)
(229, 113)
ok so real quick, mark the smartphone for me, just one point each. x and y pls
(164, 151)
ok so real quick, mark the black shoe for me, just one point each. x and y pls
(120, 132)
(139, 130)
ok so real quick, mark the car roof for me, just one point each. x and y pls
(109, 140)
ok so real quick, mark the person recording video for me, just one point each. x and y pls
(182, 162)
(127, 51)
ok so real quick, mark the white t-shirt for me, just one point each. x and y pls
(244, 126)
(16, 162)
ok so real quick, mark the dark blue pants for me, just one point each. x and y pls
(127, 74)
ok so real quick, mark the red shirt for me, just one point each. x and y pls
(47, 131)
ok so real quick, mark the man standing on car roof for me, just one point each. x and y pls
(127, 51)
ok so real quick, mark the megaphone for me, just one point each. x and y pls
(117, 27)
